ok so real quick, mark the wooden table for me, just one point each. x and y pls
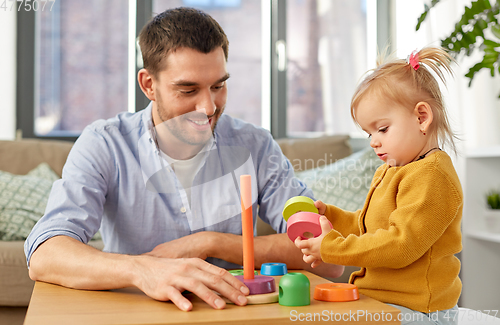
(53, 304)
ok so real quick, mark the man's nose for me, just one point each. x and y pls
(206, 103)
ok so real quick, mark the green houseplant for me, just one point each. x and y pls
(478, 29)
(492, 213)
(493, 199)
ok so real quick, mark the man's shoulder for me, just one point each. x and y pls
(234, 129)
(122, 124)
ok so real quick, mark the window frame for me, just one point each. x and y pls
(25, 70)
(277, 101)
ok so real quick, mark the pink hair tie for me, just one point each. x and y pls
(413, 60)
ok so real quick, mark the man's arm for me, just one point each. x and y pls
(277, 248)
(66, 261)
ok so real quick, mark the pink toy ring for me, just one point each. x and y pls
(303, 224)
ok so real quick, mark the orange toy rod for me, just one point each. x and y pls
(247, 226)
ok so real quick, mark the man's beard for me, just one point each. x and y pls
(190, 137)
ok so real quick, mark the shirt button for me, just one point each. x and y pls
(183, 210)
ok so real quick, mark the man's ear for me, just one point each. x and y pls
(146, 82)
(423, 112)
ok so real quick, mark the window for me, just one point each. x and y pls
(241, 21)
(81, 65)
(327, 54)
(294, 64)
(76, 64)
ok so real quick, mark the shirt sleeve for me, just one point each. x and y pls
(277, 184)
(75, 205)
(427, 203)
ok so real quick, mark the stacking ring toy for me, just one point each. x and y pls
(260, 284)
(297, 204)
(303, 224)
(336, 292)
(294, 290)
(273, 269)
(240, 272)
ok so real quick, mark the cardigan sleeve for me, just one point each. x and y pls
(345, 222)
(427, 202)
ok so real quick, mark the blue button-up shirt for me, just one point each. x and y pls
(116, 180)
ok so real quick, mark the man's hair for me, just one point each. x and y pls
(176, 28)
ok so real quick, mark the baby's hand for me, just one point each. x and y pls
(320, 206)
(311, 248)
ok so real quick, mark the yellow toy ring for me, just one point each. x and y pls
(297, 204)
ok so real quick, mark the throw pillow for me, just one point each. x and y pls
(344, 183)
(23, 199)
(45, 172)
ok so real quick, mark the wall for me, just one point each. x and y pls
(8, 74)
(474, 111)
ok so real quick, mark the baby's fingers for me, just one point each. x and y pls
(309, 259)
(316, 263)
(301, 244)
(320, 206)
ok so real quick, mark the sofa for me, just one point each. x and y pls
(21, 156)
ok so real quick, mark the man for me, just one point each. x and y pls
(162, 184)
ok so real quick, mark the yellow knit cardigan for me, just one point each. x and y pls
(405, 237)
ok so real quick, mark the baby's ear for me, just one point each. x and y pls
(423, 112)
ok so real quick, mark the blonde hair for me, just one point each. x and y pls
(397, 81)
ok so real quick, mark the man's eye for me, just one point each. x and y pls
(187, 91)
(219, 86)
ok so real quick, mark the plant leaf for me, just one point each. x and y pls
(422, 17)
(491, 44)
(469, 34)
(495, 29)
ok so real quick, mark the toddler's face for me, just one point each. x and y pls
(394, 130)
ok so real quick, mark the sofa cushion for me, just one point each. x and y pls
(22, 200)
(309, 153)
(15, 284)
(345, 183)
(21, 156)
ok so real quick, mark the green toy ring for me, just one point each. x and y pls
(297, 204)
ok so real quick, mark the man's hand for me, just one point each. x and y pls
(164, 279)
(194, 245)
(311, 248)
(68, 262)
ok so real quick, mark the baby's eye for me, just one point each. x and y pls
(369, 136)
(383, 130)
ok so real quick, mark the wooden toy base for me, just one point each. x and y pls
(266, 298)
